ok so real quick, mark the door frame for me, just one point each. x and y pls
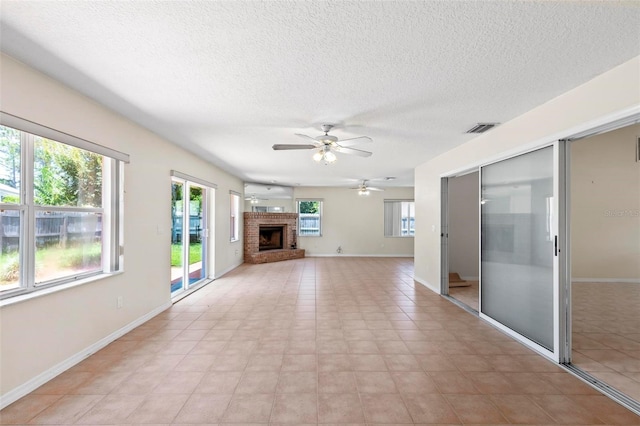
(444, 228)
(208, 232)
(444, 235)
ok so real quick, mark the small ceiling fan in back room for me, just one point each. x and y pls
(327, 145)
(363, 188)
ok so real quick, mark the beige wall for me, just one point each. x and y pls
(605, 95)
(605, 206)
(354, 223)
(41, 333)
(464, 225)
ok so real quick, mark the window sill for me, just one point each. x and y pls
(50, 290)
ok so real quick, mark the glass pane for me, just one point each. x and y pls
(177, 217)
(517, 248)
(309, 217)
(65, 175)
(196, 265)
(399, 218)
(9, 165)
(407, 226)
(412, 218)
(10, 249)
(234, 217)
(67, 244)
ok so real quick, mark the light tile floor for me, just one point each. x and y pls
(316, 341)
(606, 331)
(467, 295)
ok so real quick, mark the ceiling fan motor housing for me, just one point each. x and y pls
(327, 139)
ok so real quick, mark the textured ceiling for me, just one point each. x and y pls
(229, 79)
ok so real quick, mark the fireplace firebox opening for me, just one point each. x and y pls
(270, 237)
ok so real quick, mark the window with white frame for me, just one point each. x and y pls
(399, 218)
(309, 217)
(234, 216)
(60, 200)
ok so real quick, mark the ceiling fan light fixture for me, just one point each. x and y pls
(329, 157)
(326, 146)
(363, 192)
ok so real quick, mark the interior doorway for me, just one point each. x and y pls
(463, 255)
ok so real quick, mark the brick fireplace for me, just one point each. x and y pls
(270, 228)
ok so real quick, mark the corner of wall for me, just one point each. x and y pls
(426, 284)
(229, 269)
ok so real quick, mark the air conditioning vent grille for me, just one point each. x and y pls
(482, 127)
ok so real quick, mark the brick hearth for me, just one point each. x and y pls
(252, 222)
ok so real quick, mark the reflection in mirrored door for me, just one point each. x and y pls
(605, 253)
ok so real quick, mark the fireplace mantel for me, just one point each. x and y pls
(252, 222)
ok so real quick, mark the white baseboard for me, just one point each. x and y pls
(606, 280)
(229, 269)
(42, 378)
(426, 284)
(355, 255)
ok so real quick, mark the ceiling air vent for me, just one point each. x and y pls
(482, 127)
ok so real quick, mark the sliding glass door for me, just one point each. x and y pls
(520, 273)
(177, 249)
(188, 234)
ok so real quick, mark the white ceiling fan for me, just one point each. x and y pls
(327, 144)
(253, 199)
(363, 188)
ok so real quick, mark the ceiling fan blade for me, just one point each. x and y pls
(371, 188)
(307, 137)
(283, 146)
(351, 151)
(354, 141)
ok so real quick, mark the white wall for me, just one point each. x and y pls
(44, 332)
(354, 222)
(605, 206)
(289, 206)
(464, 226)
(610, 93)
